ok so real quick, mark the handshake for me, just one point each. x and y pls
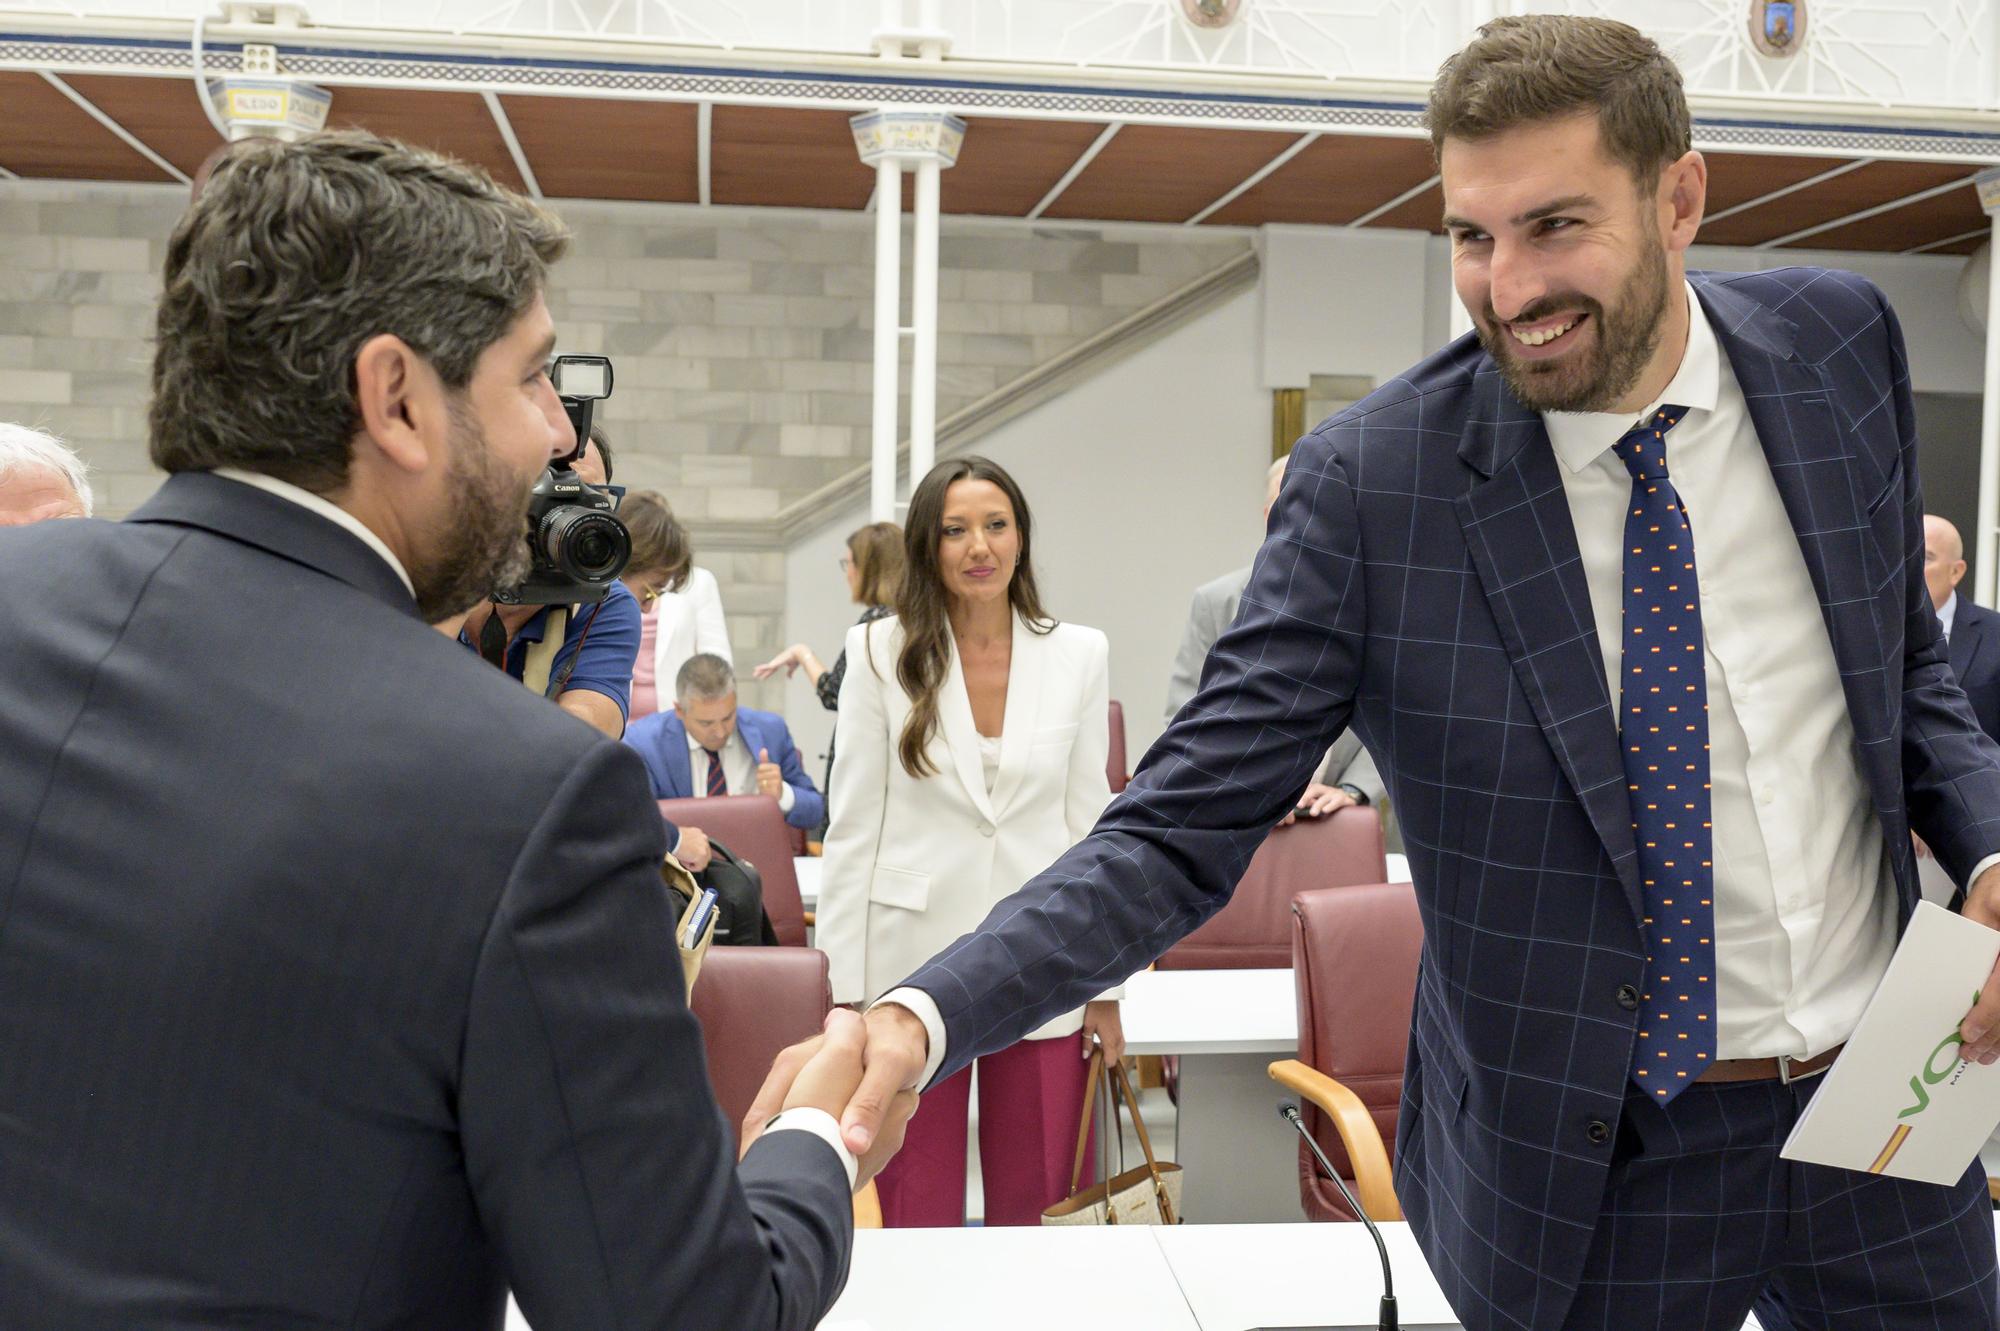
(861, 1070)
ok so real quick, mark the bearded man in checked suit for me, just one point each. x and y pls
(1625, 593)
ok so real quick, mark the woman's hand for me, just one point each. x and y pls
(789, 660)
(1101, 1020)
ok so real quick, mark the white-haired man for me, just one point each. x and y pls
(40, 478)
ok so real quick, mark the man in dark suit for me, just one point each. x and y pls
(1625, 595)
(340, 986)
(1971, 630)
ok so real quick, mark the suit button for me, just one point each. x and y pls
(1628, 997)
(1598, 1131)
(986, 829)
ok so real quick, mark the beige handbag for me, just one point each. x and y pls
(1149, 1194)
(682, 884)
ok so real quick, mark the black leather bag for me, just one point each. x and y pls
(739, 900)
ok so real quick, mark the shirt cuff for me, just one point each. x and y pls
(785, 797)
(805, 1118)
(925, 1009)
(1980, 868)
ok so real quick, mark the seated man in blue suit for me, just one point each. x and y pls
(1624, 593)
(707, 745)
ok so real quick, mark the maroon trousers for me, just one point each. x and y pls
(1030, 1102)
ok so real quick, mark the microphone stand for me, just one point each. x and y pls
(1386, 1319)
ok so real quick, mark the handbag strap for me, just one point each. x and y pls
(1131, 1098)
(1083, 1128)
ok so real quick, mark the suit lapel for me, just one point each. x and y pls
(1518, 529)
(961, 737)
(680, 763)
(1968, 636)
(1026, 658)
(1811, 454)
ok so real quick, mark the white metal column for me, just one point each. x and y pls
(1984, 578)
(888, 340)
(924, 323)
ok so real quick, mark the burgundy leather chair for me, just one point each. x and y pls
(754, 830)
(752, 1002)
(1254, 931)
(1114, 766)
(1355, 955)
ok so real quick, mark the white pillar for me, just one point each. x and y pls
(924, 322)
(1984, 579)
(888, 337)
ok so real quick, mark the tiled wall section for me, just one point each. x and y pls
(742, 342)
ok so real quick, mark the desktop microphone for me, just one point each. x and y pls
(1386, 1320)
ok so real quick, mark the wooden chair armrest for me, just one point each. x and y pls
(868, 1207)
(815, 849)
(812, 919)
(1358, 1133)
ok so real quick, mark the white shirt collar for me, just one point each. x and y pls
(1581, 437)
(327, 509)
(1949, 613)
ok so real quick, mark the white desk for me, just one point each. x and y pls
(1239, 1276)
(1008, 1280)
(807, 867)
(1227, 1026)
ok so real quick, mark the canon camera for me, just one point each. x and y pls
(579, 545)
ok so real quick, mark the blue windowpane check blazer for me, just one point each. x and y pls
(1421, 583)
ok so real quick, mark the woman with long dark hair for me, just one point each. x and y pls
(973, 735)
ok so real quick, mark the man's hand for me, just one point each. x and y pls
(825, 1073)
(693, 850)
(1101, 1020)
(1981, 1028)
(898, 1047)
(770, 780)
(1318, 801)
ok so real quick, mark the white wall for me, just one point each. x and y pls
(1145, 482)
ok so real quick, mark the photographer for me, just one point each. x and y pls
(589, 673)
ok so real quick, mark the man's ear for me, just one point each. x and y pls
(402, 402)
(1683, 199)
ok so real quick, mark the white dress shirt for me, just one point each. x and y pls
(1945, 617)
(739, 769)
(1805, 905)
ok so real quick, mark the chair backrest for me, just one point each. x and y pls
(752, 1002)
(1114, 766)
(1355, 955)
(754, 830)
(1254, 931)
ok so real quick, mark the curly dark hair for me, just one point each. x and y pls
(292, 256)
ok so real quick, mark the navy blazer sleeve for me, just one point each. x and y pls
(599, 1161)
(1951, 769)
(1277, 690)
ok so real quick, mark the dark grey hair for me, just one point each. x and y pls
(704, 676)
(23, 449)
(292, 257)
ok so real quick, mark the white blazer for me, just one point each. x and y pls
(912, 864)
(690, 622)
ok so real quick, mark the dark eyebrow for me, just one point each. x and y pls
(1573, 203)
(546, 350)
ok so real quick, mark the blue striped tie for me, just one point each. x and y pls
(1664, 740)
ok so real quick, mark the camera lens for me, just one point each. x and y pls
(587, 544)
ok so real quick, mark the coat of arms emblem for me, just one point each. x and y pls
(1778, 27)
(1211, 13)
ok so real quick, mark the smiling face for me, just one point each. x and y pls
(1567, 264)
(978, 542)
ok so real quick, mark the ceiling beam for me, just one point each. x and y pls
(1973, 234)
(1866, 213)
(1255, 178)
(1776, 194)
(125, 135)
(1393, 204)
(1108, 133)
(514, 150)
(704, 151)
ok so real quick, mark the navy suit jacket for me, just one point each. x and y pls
(1421, 582)
(661, 740)
(337, 983)
(1975, 660)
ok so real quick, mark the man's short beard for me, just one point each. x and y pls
(482, 542)
(1626, 337)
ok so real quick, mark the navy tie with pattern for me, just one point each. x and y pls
(718, 784)
(1664, 741)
